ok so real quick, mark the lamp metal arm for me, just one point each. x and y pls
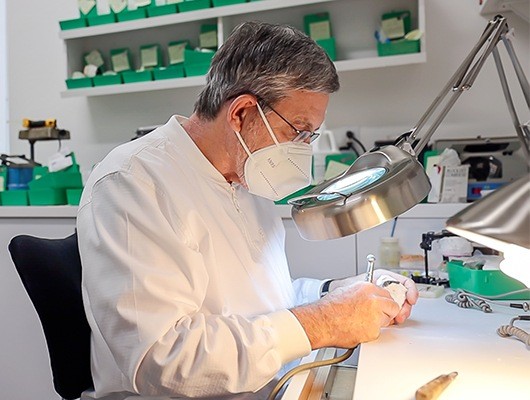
(464, 77)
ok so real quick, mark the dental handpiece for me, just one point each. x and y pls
(370, 268)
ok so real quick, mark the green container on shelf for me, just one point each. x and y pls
(193, 5)
(196, 69)
(73, 23)
(295, 194)
(102, 19)
(132, 15)
(73, 196)
(329, 46)
(171, 72)
(47, 197)
(396, 47)
(104, 80)
(3, 177)
(220, 3)
(192, 57)
(57, 180)
(79, 83)
(484, 282)
(14, 198)
(158, 11)
(137, 76)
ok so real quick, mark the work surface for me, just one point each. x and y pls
(439, 338)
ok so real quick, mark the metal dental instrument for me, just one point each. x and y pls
(370, 269)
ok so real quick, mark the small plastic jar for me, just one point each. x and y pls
(389, 252)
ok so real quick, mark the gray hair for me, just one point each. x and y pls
(267, 61)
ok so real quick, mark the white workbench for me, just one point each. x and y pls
(440, 338)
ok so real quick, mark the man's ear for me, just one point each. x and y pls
(238, 109)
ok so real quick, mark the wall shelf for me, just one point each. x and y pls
(353, 25)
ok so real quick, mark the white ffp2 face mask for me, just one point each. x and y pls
(278, 170)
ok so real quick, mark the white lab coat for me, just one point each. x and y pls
(185, 280)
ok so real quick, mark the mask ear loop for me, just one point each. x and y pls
(243, 143)
(267, 125)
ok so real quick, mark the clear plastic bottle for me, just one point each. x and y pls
(389, 252)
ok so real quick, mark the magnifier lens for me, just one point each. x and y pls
(352, 183)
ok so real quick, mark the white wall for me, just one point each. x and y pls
(3, 79)
(382, 102)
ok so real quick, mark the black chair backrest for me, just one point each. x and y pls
(50, 270)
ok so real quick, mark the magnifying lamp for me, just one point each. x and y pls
(385, 182)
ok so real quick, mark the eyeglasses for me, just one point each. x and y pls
(302, 136)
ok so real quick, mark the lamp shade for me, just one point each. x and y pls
(501, 221)
(379, 186)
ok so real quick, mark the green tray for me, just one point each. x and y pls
(104, 80)
(196, 69)
(79, 83)
(73, 24)
(158, 11)
(132, 15)
(484, 282)
(192, 5)
(102, 19)
(295, 194)
(220, 3)
(402, 46)
(14, 198)
(57, 180)
(73, 196)
(47, 197)
(192, 57)
(136, 76)
(175, 71)
(329, 46)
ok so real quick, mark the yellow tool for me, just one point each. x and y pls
(48, 123)
(432, 389)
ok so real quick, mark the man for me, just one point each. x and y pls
(185, 280)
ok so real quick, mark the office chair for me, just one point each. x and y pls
(50, 270)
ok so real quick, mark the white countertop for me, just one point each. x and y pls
(284, 211)
(38, 211)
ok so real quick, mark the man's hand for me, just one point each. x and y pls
(347, 315)
(412, 291)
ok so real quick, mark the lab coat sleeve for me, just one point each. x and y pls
(144, 282)
(307, 290)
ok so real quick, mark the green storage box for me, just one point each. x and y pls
(102, 19)
(162, 10)
(174, 71)
(197, 57)
(73, 196)
(192, 5)
(47, 197)
(295, 194)
(220, 3)
(73, 24)
(57, 180)
(318, 26)
(79, 83)
(402, 46)
(484, 282)
(104, 80)
(3, 177)
(14, 198)
(132, 15)
(196, 69)
(403, 16)
(137, 76)
(329, 46)
(120, 60)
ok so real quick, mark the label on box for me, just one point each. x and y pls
(454, 184)
(85, 6)
(394, 28)
(117, 6)
(176, 53)
(320, 30)
(94, 58)
(120, 62)
(103, 7)
(149, 56)
(208, 39)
